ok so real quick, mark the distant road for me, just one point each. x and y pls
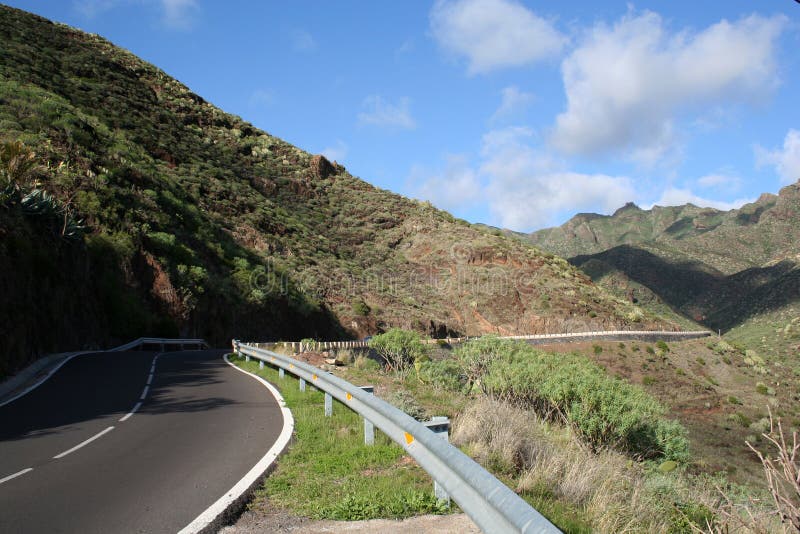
(130, 442)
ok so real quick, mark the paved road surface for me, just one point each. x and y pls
(200, 427)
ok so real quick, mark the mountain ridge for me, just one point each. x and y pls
(197, 223)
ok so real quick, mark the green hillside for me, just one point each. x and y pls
(736, 271)
(132, 206)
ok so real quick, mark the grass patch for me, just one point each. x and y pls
(328, 472)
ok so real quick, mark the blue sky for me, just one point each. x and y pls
(512, 113)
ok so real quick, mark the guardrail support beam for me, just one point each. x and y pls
(440, 426)
(260, 364)
(369, 428)
(328, 405)
(281, 373)
(302, 383)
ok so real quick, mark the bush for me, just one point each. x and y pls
(649, 380)
(597, 349)
(662, 346)
(443, 374)
(399, 349)
(366, 364)
(405, 401)
(360, 307)
(604, 411)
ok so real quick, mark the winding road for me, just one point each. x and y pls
(131, 442)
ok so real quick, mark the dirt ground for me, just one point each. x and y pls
(274, 522)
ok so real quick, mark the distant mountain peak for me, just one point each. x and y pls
(629, 206)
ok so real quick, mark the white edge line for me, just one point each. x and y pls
(258, 470)
(44, 378)
(130, 413)
(15, 475)
(144, 393)
(88, 441)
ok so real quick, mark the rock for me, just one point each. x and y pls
(321, 167)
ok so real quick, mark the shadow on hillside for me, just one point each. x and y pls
(698, 291)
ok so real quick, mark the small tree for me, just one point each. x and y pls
(400, 349)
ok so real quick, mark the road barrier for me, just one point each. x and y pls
(492, 505)
(604, 335)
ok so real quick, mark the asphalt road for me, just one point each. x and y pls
(200, 427)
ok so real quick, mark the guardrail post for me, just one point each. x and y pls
(440, 426)
(302, 384)
(247, 357)
(281, 373)
(328, 405)
(369, 428)
(260, 364)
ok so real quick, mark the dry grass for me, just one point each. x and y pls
(614, 493)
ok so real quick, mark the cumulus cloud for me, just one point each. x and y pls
(523, 187)
(627, 84)
(452, 187)
(379, 112)
(720, 181)
(786, 160)
(513, 101)
(179, 13)
(678, 197)
(493, 34)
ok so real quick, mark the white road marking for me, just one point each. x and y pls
(79, 445)
(144, 393)
(15, 475)
(130, 413)
(258, 470)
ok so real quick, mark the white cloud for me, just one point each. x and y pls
(337, 152)
(453, 187)
(627, 85)
(720, 181)
(513, 102)
(302, 41)
(175, 14)
(523, 187)
(179, 13)
(786, 160)
(379, 112)
(493, 34)
(678, 197)
(527, 188)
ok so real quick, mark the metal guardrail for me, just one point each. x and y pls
(162, 341)
(492, 505)
(613, 335)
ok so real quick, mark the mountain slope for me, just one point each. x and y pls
(195, 222)
(736, 271)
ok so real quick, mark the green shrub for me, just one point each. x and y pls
(443, 374)
(700, 360)
(597, 349)
(650, 350)
(366, 364)
(604, 411)
(649, 380)
(399, 349)
(662, 346)
(733, 400)
(405, 401)
(360, 307)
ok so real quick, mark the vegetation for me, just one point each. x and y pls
(329, 473)
(191, 221)
(603, 411)
(400, 349)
